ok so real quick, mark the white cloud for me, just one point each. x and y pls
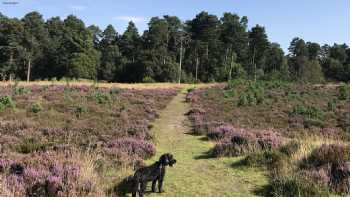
(78, 7)
(130, 18)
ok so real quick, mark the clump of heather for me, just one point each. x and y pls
(329, 154)
(242, 142)
(132, 147)
(49, 174)
(330, 165)
(222, 131)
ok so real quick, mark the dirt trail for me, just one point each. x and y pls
(195, 174)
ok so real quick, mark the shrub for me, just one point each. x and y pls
(236, 82)
(332, 105)
(30, 145)
(253, 95)
(243, 100)
(101, 97)
(80, 110)
(251, 99)
(7, 102)
(343, 92)
(21, 90)
(309, 112)
(148, 79)
(36, 108)
(189, 90)
(229, 93)
(271, 159)
(2, 107)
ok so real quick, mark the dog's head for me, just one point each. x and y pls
(167, 159)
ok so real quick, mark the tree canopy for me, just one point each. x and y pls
(206, 48)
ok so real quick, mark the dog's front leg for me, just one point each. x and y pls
(160, 185)
(142, 189)
(135, 188)
(154, 184)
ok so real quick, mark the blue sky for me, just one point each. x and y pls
(323, 21)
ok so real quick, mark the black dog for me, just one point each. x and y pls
(154, 173)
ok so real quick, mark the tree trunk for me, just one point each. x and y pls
(207, 50)
(231, 67)
(180, 65)
(254, 64)
(28, 71)
(11, 57)
(197, 63)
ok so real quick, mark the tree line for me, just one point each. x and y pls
(206, 48)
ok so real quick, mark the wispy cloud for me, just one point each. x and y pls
(134, 19)
(78, 7)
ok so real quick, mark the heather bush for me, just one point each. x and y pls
(340, 178)
(51, 174)
(244, 142)
(344, 121)
(132, 147)
(221, 132)
(328, 155)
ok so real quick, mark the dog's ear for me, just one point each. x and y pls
(172, 160)
(164, 159)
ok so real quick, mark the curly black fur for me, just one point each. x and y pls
(154, 173)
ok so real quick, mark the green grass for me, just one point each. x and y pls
(195, 174)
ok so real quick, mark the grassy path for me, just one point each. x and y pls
(194, 174)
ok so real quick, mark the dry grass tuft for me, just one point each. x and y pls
(307, 145)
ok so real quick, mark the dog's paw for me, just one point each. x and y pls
(161, 191)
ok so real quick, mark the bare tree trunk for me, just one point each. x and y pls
(11, 57)
(28, 72)
(197, 64)
(207, 51)
(254, 64)
(231, 67)
(180, 65)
